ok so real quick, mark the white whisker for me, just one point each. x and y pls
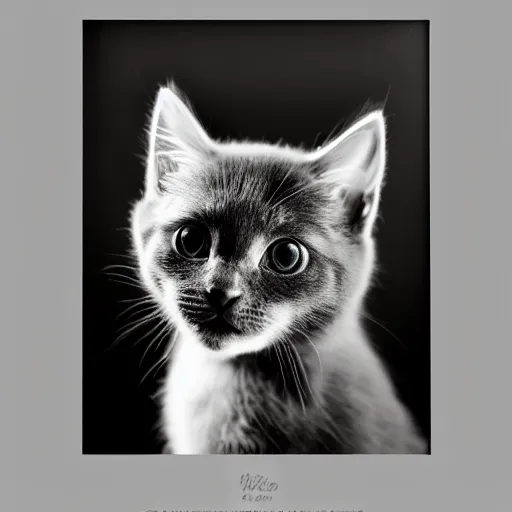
(163, 328)
(136, 305)
(302, 394)
(163, 358)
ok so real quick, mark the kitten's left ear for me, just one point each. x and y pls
(177, 141)
(353, 166)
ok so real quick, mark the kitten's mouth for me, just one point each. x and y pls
(219, 325)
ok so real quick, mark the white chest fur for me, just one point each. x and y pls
(196, 397)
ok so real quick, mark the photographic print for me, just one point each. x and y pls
(256, 237)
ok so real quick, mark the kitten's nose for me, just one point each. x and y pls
(221, 299)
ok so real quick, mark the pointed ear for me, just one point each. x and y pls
(177, 141)
(352, 166)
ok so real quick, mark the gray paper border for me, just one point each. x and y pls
(42, 140)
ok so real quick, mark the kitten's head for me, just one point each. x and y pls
(243, 244)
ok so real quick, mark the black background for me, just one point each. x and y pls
(262, 80)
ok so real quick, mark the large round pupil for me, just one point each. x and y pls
(192, 240)
(286, 255)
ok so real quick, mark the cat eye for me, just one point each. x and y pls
(287, 257)
(192, 242)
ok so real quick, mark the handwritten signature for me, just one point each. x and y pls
(258, 483)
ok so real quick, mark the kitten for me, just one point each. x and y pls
(260, 256)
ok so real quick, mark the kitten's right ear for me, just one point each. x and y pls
(352, 166)
(177, 141)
